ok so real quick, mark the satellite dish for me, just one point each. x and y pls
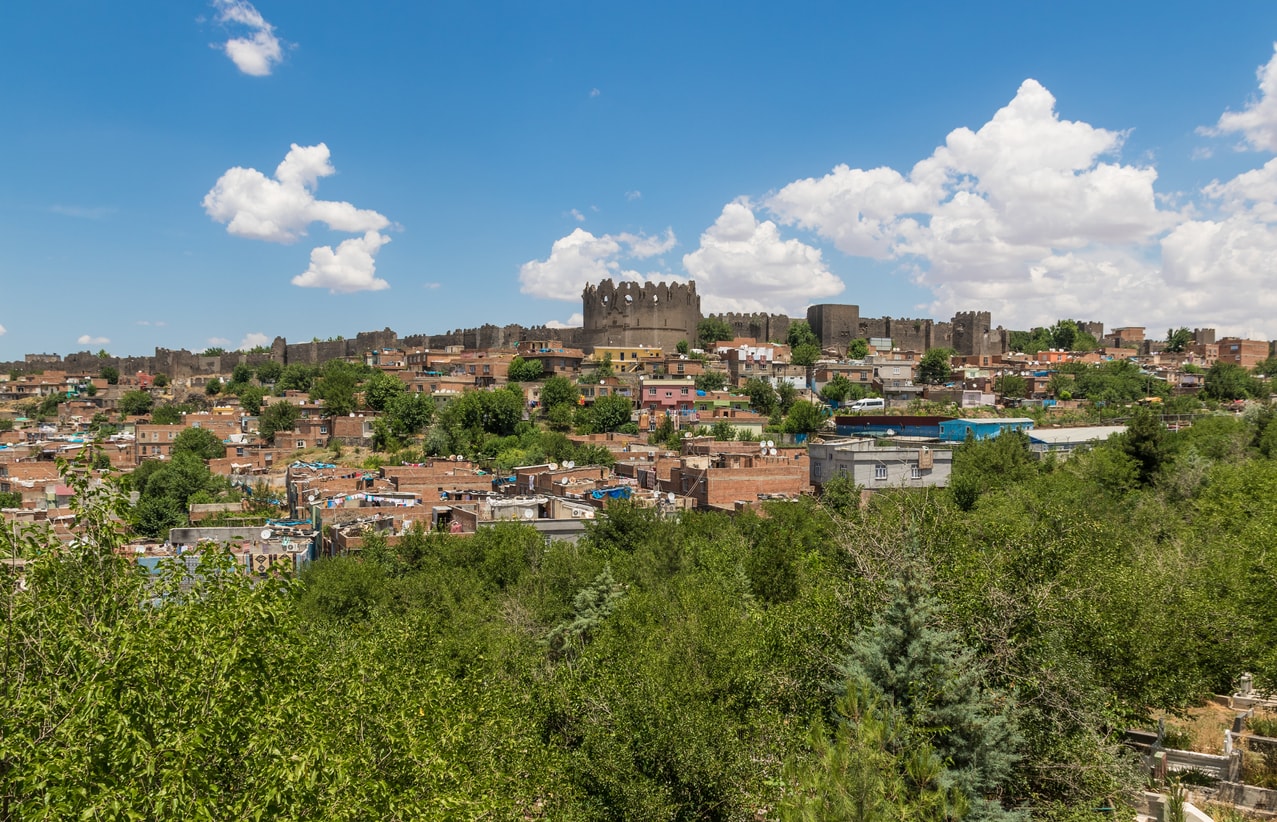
(670, 497)
(266, 534)
(554, 466)
(527, 513)
(771, 444)
(569, 464)
(773, 452)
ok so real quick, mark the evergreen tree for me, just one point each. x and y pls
(936, 685)
(590, 606)
(871, 768)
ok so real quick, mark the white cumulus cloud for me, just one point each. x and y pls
(252, 340)
(281, 209)
(581, 258)
(575, 321)
(1024, 216)
(743, 264)
(220, 342)
(1257, 122)
(256, 53)
(89, 339)
(3, 331)
(352, 267)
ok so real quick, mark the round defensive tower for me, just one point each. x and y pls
(633, 314)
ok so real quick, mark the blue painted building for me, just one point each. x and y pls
(956, 430)
(944, 429)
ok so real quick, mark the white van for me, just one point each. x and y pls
(869, 404)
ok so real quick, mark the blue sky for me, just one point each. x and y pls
(461, 163)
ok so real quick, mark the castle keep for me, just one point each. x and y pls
(632, 314)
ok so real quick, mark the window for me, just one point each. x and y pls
(880, 472)
(915, 472)
(323, 429)
(683, 391)
(651, 392)
(301, 443)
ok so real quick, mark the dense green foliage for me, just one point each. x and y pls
(201, 442)
(967, 653)
(522, 370)
(278, 416)
(711, 330)
(134, 402)
(1065, 335)
(934, 368)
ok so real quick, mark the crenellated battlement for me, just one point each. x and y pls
(632, 313)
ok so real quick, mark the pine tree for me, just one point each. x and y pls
(936, 686)
(590, 606)
(871, 768)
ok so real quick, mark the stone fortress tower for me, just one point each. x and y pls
(632, 314)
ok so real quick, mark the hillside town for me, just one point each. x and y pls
(310, 446)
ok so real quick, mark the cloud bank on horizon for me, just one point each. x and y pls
(1031, 216)
(280, 209)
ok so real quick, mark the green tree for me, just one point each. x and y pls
(786, 395)
(1178, 339)
(297, 377)
(213, 351)
(711, 381)
(762, 397)
(134, 403)
(409, 413)
(805, 354)
(836, 390)
(558, 390)
(241, 373)
(1011, 386)
(213, 387)
(722, 431)
(980, 466)
(168, 414)
(603, 368)
(858, 349)
(869, 767)
(199, 441)
(111, 374)
(10, 499)
(1145, 442)
(381, 389)
(591, 605)
(167, 491)
(276, 417)
(560, 417)
(336, 387)
(161, 380)
(1068, 335)
(1228, 381)
(934, 368)
(250, 399)
(938, 687)
(800, 334)
(269, 372)
(682, 347)
(522, 370)
(803, 418)
(711, 330)
(610, 413)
